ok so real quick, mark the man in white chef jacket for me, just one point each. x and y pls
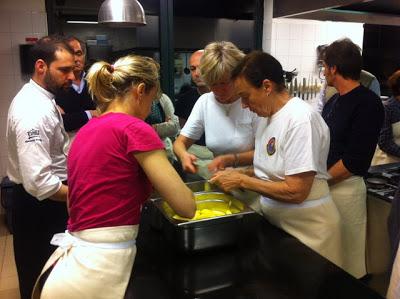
(37, 147)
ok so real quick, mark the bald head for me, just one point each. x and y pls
(194, 63)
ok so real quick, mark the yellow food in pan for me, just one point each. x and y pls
(211, 205)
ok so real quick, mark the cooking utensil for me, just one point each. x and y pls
(196, 235)
(376, 182)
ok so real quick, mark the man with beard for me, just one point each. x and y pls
(75, 103)
(37, 147)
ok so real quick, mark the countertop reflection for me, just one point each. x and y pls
(266, 263)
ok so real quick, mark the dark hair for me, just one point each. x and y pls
(394, 83)
(346, 56)
(46, 48)
(257, 66)
(71, 38)
(321, 49)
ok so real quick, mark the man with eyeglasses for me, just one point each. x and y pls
(75, 103)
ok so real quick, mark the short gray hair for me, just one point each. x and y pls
(218, 61)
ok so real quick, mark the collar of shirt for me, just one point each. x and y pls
(47, 93)
(79, 88)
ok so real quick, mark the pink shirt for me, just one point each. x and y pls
(106, 184)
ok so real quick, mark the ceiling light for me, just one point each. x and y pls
(122, 13)
(82, 22)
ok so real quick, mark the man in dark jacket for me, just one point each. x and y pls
(75, 103)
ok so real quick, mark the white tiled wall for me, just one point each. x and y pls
(294, 41)
(18, 19)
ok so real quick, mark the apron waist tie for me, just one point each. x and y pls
(305, 204)
(67, 240)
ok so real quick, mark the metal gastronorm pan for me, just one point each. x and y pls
(195, 235)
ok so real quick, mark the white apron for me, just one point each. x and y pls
(315, 222)
(394, 285)
(380, 157)
(350, 197)
(93, 263)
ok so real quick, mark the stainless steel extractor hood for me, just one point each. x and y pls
(382, 12)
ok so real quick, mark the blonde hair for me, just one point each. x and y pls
(107, 82)
(218, 61)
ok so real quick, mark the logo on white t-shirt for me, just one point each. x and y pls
(271, 146)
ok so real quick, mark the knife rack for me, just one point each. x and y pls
(305, 88)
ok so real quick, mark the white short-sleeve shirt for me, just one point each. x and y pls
(228, 127)
(294, 140)
(37, 142)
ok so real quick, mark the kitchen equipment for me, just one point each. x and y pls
(383, 181)
(121, 13)
(209, 204)
(376, 182)
(197, 235)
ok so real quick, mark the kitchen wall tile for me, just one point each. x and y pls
(307, 66)
(283, 31)
(7, 86)
(3, 166)
(295, 47)
(282, 47)
(5, 22)
(3, 145)
(321, 35)
(308, 32)
(284, 60)
(308, 48)
(19, 81)
(4, 104)
(5, 43)
(18, 38)
(3, 125)
(273, 47)
(16, 64)
(294, 62)
(295, 31)
(21, 22)
(274, 28)
(6, 63)
(39, 22)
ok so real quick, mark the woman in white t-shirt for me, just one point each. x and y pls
(228, 128)
(291, 148)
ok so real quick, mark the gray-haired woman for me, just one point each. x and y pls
(228, 128)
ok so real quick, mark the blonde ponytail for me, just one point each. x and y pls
(107, 82)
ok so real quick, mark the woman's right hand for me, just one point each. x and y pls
(187, 161)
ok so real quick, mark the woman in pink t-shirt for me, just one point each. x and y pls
(112, 164)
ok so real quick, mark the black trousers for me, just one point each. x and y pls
(34, 222)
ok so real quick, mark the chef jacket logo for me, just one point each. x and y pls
(33, 135)
(271, 146)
